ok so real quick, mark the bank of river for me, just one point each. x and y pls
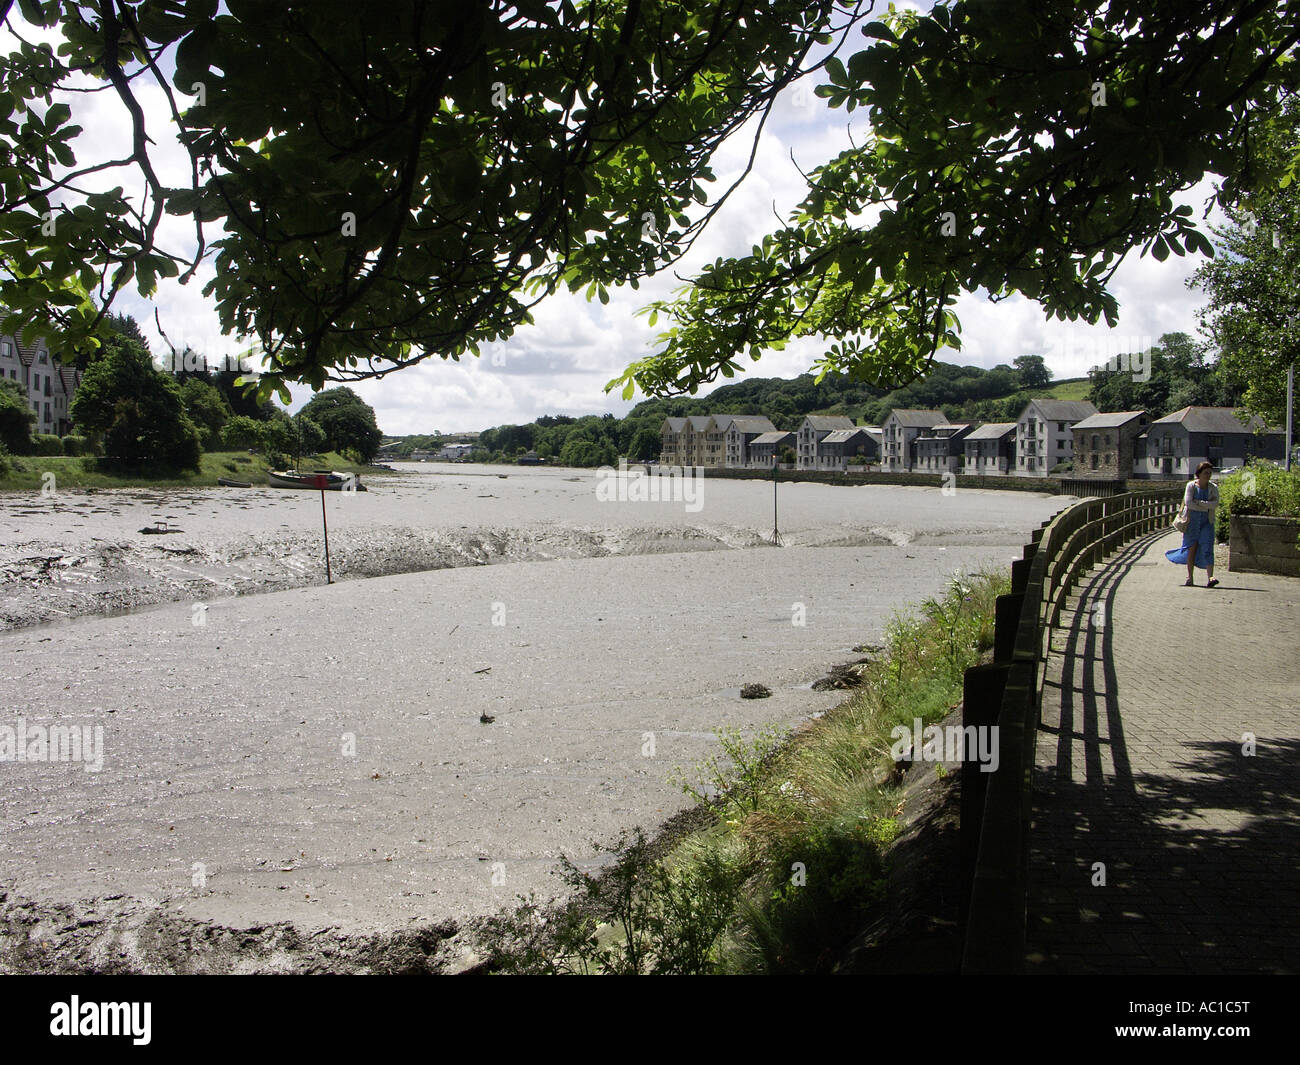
(320, 759)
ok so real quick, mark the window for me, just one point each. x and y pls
(1108, 439)
(1094, 460)
(1060, 427)
(1094, 441)
(1216, 441)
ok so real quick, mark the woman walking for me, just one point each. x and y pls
(1199, 500)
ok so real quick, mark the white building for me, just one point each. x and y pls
(738, 432)
(898, 436)
(48, 385)
(1045, 434)
(815, 428)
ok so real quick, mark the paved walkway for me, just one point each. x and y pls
(1140, 774)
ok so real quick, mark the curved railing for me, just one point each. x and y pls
(996, 807)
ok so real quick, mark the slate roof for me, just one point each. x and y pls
(1109, 419)
(774, 437)
(992, 431)
(1062, 410)
(919, 419)
(752, 423)
(1213, 420)
(828, 421)
(840, 436)
(944, 431)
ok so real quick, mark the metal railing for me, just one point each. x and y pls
(996, 807)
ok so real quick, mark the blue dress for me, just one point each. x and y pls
(1199, 534)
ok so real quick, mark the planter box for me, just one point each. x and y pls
(1263, 545)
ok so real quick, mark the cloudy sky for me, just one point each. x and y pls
(561, 364)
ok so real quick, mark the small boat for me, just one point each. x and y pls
(226, 482)
(327, 480)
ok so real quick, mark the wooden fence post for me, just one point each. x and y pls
(982, 691)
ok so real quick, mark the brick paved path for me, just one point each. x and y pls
(1140, 767)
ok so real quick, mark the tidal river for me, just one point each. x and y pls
(529, 658)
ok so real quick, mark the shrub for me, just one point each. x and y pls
(636, 916)
(76, 445)
(811, 912)
(242, 432)
(46, 444)
(137, 409)
(1261, 488)
(735, 778)
(16, 418)
(4, 460)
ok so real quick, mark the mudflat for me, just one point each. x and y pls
(422, 746)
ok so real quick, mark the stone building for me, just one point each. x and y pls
(1105, 444)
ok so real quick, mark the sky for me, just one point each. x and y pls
(561, 363)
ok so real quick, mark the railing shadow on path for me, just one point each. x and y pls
(1184, 864)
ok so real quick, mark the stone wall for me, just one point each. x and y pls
(1263, 545)
(928, 480)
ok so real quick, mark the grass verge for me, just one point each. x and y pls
(793, 858)
(27, 472)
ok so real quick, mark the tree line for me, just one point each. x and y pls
(135, 415)
(1176, 372)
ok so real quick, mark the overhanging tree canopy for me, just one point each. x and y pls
(1253, 286)
(393, 180)
(401, 180)
(1020, 146)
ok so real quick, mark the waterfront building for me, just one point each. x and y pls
(990, 450)
(1173, 446)
(49, 386)
(1045, 436)
(1105, 444)
(898, 435)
